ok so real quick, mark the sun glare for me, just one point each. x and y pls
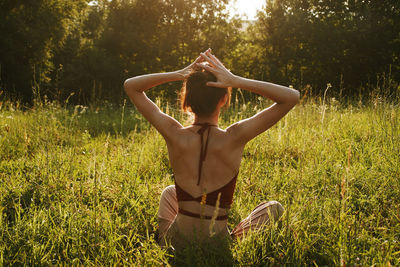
(246, 8)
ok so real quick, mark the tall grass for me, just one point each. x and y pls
(80, 186)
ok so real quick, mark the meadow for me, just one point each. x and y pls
(80, 186)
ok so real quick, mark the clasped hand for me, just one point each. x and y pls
(212, 64)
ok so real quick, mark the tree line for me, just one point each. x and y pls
(83, 50)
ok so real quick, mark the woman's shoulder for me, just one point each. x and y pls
(188, 138)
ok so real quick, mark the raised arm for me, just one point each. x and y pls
(285, 99)
(135, 88)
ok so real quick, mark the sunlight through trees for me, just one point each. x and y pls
(59, 47)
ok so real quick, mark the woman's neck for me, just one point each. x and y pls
(213, 120)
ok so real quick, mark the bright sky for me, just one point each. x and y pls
(246, 7)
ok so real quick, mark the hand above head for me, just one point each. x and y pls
(224, 77)
(193, 66)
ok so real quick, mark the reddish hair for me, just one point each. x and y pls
(200, 98)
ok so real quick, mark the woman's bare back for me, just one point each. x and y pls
(221, 165)
(221, 162)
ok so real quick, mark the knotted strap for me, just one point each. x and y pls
(203, 148)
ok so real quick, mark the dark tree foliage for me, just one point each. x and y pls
(346, 43)
(31, 32)
(83, 50)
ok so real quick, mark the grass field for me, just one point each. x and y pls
(81, 185)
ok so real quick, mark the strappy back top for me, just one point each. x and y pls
(210, 198)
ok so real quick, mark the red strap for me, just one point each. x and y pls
(211, 198)
(195, 215)
(203, 151)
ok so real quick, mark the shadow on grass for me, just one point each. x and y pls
(215, 252)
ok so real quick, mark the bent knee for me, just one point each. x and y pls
(169, 190)
(276, 209)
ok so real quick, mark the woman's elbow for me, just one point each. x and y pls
(297, 97)
(294, 97)
(126, 85)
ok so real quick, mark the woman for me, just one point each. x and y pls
(206, 159)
